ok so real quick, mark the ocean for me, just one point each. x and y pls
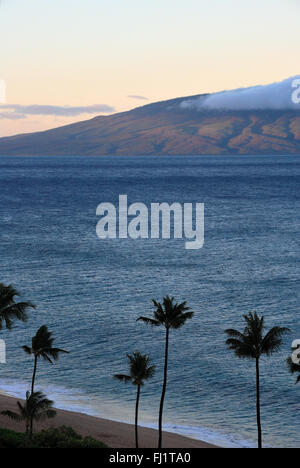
(90, 291)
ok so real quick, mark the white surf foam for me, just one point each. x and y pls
(76, 401)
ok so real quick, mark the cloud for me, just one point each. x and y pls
(136, 96)
(17, 110)
(276, 96)
(11, 116)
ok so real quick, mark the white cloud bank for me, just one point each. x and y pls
(277, 96)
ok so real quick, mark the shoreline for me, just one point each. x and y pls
(114, 434)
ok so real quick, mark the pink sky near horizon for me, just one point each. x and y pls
(84, 53)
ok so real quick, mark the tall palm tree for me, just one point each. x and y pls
(42, 347)
(140, 370)
(253, 344)
(11, 310)
(169, 315)
(37, 407)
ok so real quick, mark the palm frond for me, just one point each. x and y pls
(49, 414)
(45, 357)
(11, 310)
(294, 368)
(234, 333)
(272, 342)
(150, 372)
(123, 378)
(241, 348)
(181, 319)
(149, 321)
(27, 349)
(12, 415)
(55, 352)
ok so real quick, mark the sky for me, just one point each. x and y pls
(68, 60)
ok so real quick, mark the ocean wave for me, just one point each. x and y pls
(76, 401)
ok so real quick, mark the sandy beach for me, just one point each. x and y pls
(113, 434)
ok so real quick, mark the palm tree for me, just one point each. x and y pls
(140, 370)
(169, 315)
(42, 346)
(37, 407)
(252, 344)
(10, 309)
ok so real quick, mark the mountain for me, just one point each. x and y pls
(183, 126)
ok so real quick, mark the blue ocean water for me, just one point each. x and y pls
(90, 292)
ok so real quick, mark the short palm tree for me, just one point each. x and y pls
(140, 370)
(42, 347)
(11, 310)
(253, 344)
(169, 315)
(36, 408)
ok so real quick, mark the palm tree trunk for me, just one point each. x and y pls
(161, 408)
(137, 416)
(34, 374)
(32, 390)
(258, 404)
